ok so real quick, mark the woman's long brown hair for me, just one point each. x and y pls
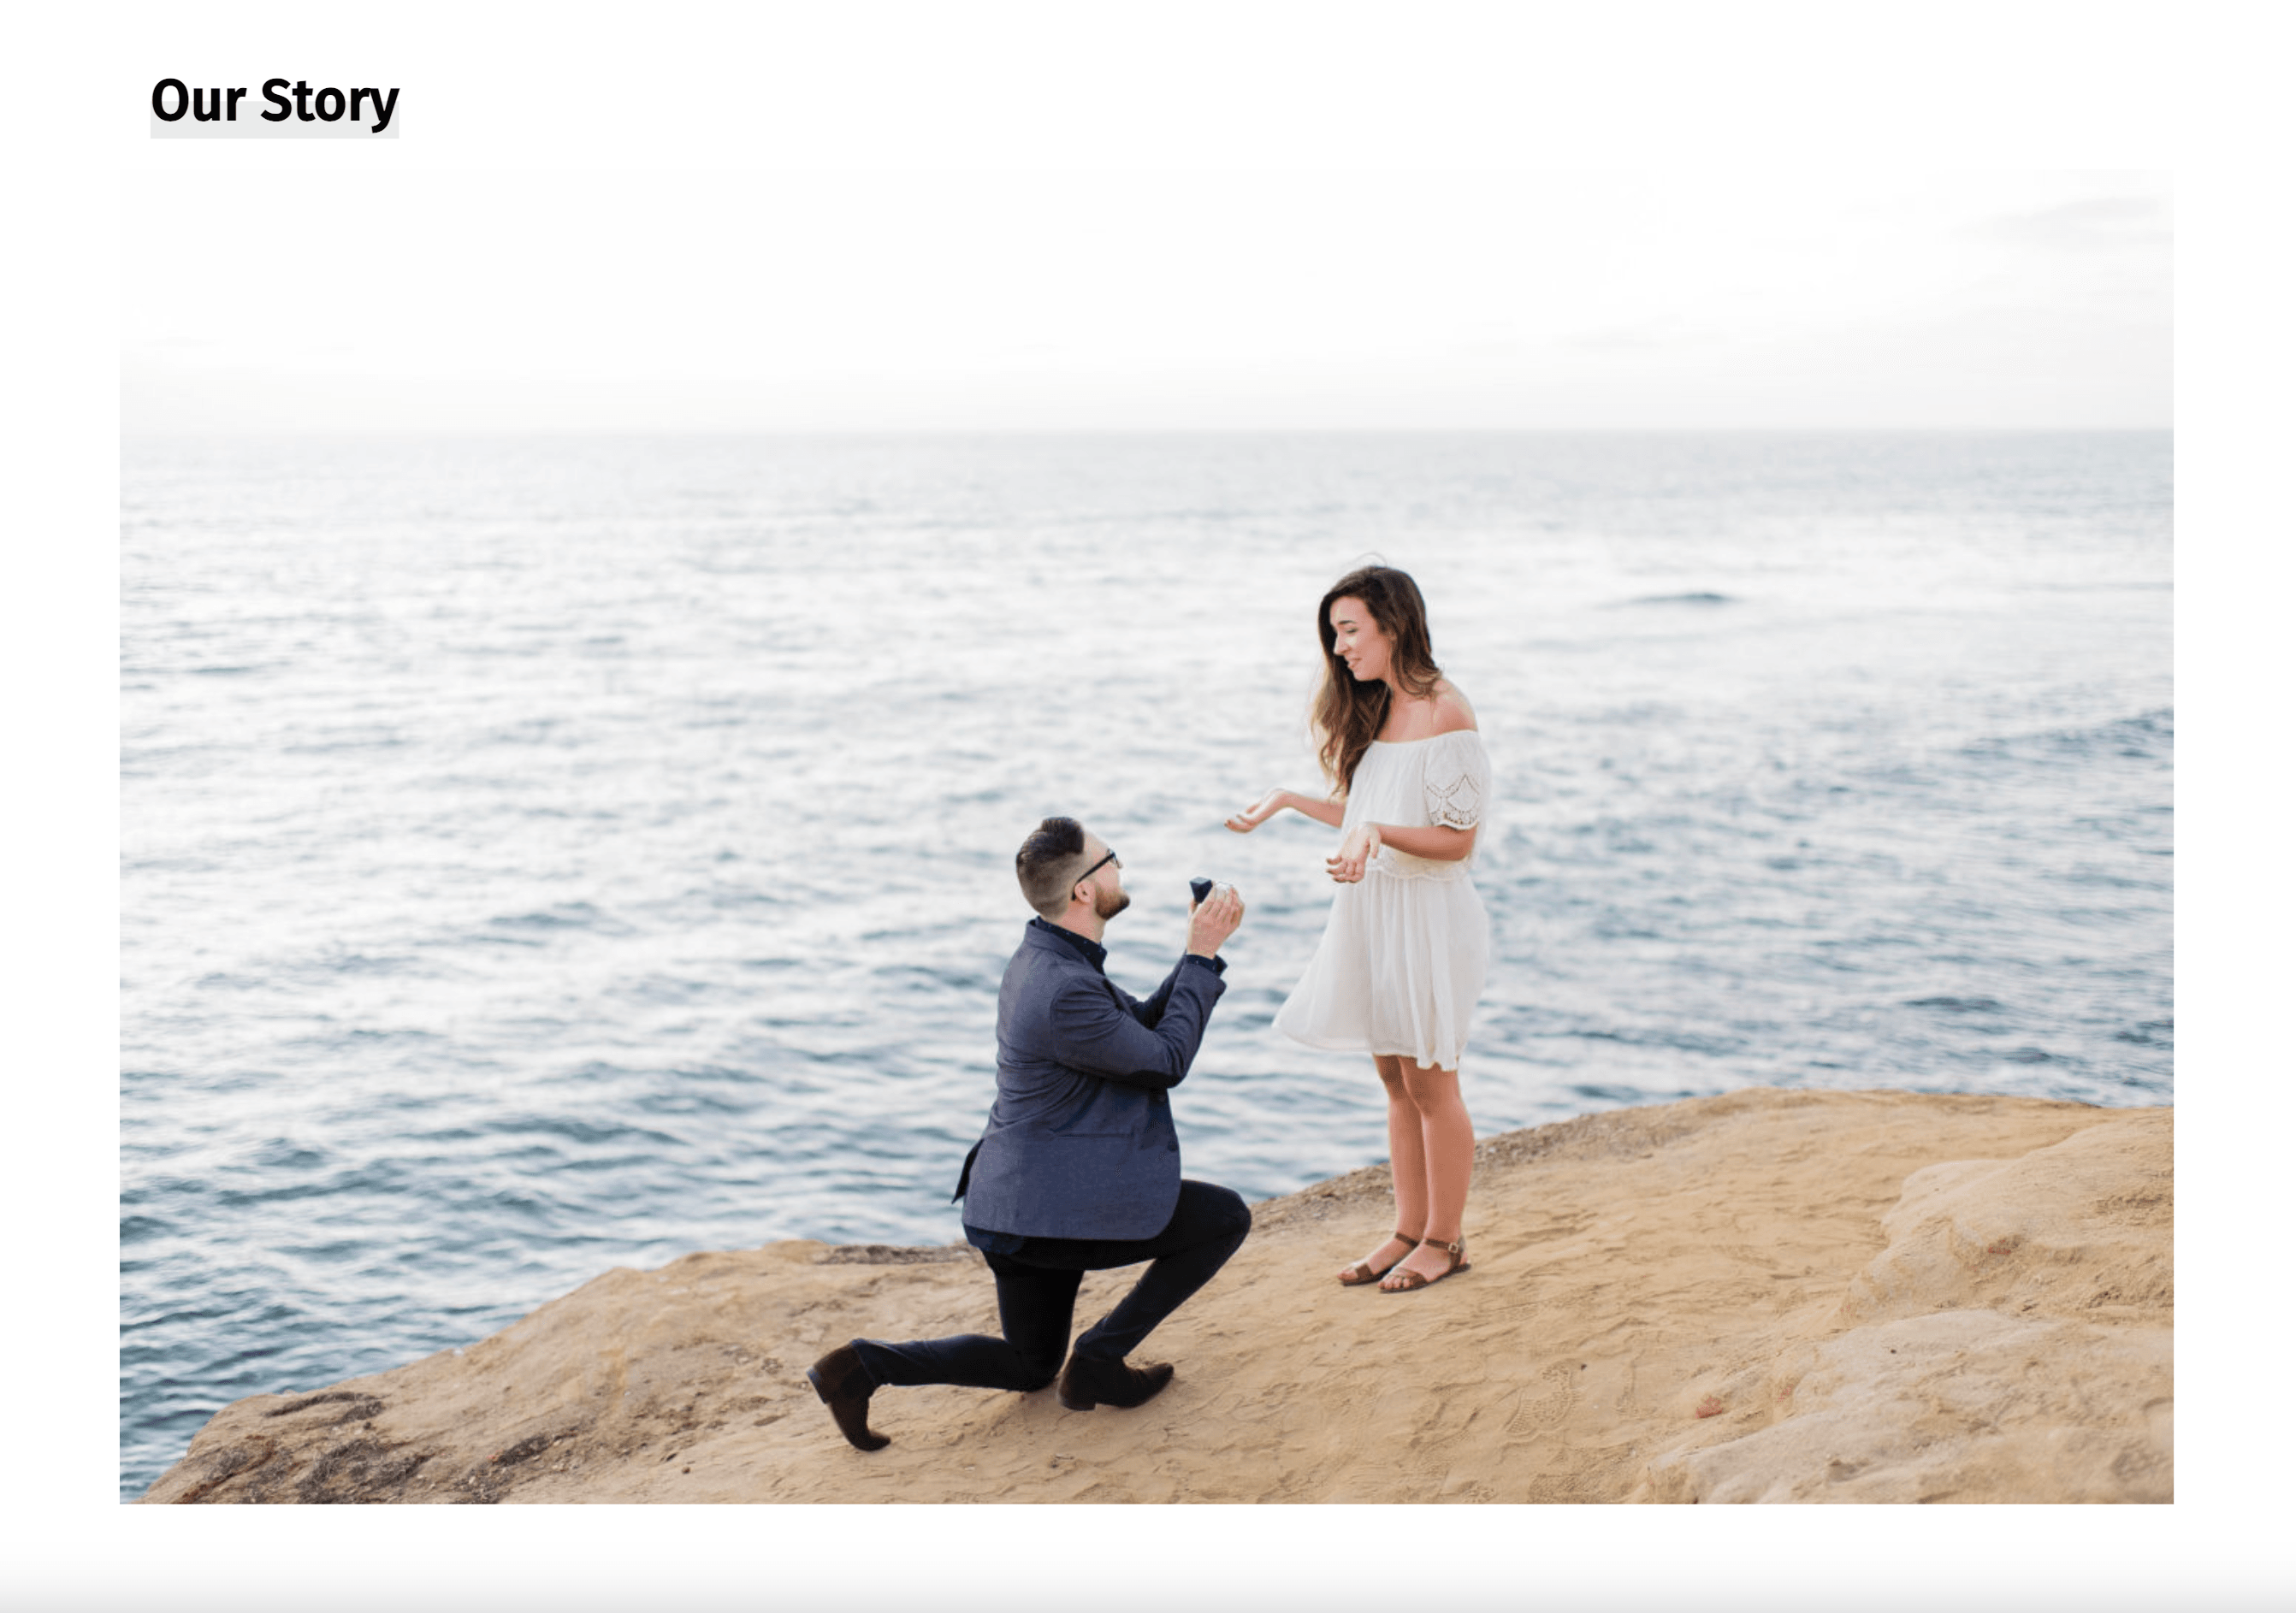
(1346, 713)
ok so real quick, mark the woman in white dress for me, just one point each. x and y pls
(1403, 951)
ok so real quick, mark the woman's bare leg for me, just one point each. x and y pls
(1446, 1141)
(1407, 1152)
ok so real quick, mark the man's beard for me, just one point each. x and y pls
(1107, 904)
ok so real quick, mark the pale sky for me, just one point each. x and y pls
(1015, 215)
(1237, 216)
(724, 300)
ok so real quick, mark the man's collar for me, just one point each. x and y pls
(1091, 951)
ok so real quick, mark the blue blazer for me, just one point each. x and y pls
(1080, 1142)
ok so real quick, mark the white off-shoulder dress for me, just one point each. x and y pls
(1404, 952)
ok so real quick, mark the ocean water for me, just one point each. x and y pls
(544, 855)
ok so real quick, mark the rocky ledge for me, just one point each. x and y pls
(1766, 1295)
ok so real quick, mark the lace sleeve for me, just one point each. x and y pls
(1457, 781)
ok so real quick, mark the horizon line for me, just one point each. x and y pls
(1127, 431)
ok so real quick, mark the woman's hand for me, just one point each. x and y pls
(1355, 854)
(1253, 816)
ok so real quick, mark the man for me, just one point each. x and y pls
(1079, 1168)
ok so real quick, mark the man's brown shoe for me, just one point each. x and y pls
(1087, 1382)
(845, 1386)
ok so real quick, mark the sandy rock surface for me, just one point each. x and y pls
(1765, 1296)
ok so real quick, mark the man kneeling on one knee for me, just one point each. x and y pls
(1079, 1168)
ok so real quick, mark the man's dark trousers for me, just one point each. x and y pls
(1036, 1299)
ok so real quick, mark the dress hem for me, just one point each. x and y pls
(1361, 1045)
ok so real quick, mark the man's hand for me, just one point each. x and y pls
(1213, 920)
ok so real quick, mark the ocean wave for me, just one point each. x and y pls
(2146, 735)
(1696, 597)
(564, 915)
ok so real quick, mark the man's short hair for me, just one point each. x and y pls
(1049, 864)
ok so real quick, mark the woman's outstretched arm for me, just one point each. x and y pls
(1327, 813)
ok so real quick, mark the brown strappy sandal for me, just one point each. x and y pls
(1360, 1273)
(1408, 1282)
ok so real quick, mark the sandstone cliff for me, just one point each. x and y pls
(1765, 1296)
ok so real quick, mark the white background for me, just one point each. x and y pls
(1213, 155)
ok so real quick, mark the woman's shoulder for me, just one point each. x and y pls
(1452, 714)
(1430, 716)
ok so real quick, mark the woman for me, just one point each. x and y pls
(1402, 954)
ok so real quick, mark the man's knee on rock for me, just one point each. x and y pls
(1038, 1378)
(1036, 1372)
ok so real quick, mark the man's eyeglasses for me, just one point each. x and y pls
(1096, 867)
